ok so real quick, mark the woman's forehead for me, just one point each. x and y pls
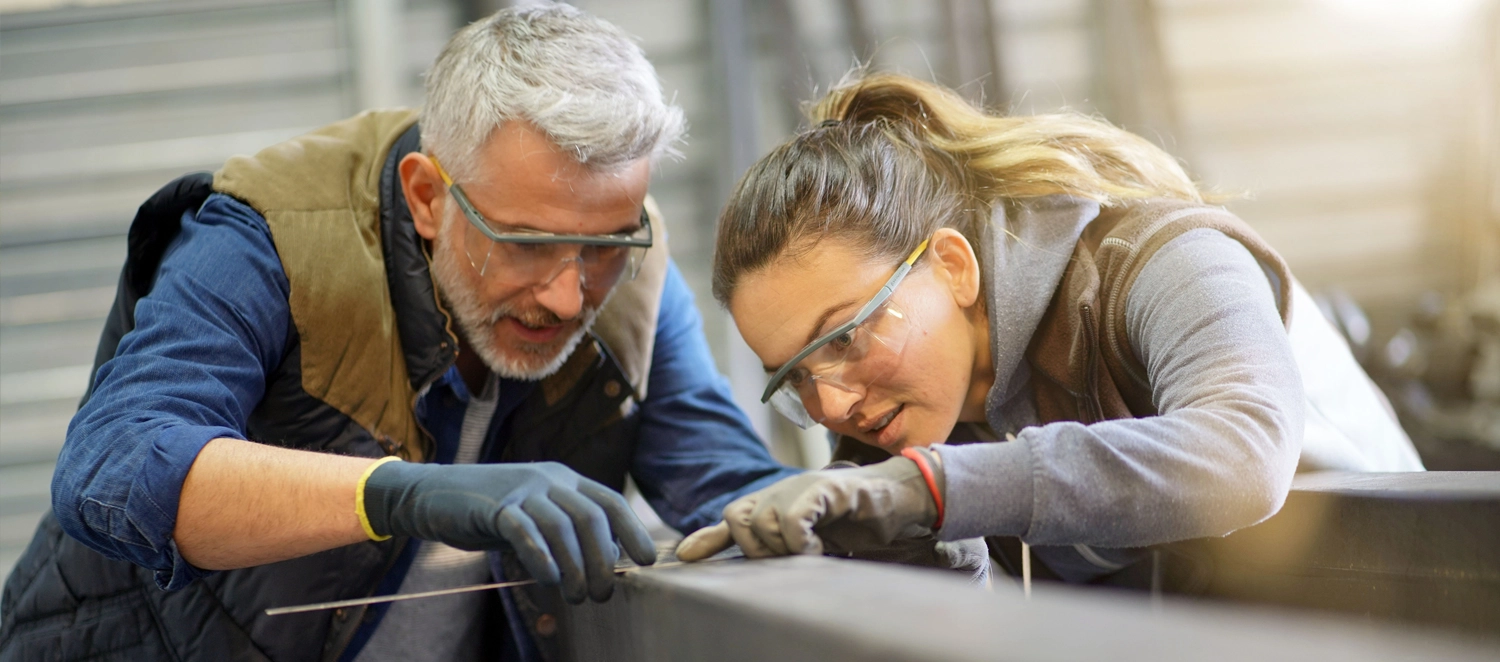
(780, 307)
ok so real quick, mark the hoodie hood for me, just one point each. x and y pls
(1031, 242)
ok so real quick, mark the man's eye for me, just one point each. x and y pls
(602, 253)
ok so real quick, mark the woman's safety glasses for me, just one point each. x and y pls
(522, 257)
(862, 350)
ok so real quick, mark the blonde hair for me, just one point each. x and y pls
(890, 159)
(1017, 157)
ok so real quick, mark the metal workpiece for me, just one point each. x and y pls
(1419, 547)
(821, 608)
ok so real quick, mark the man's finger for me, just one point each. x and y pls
(557, 528)
(521, 532)
(598, 547)
(705, 542)
(622, 520)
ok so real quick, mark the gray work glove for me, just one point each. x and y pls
(970, 557)
(841, 510)
(560, 524)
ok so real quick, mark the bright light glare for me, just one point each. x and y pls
(1404, 10)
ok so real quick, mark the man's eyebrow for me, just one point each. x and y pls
(631, 228)
(818, 326)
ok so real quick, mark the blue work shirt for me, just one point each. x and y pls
(217, 323)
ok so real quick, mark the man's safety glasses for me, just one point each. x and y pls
(525, 257)
(860, 351)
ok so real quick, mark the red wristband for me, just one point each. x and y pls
(937, 497)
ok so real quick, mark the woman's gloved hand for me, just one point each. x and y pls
(561, 525)
(970, 557)
(842, 510)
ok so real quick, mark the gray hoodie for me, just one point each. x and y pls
(1202, 317)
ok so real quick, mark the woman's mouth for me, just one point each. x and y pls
(539, 334)
(885, 430)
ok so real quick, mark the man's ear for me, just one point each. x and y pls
(958, 264)
(425, 193)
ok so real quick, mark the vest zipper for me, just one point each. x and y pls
(1094, 409)
(342, 632)
(357, 616)
(424, 437)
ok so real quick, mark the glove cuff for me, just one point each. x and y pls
(359, 499)
(931, 470)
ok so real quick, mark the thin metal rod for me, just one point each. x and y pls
(1156, 580)
(379, 599)
(356, 602)
(1026, 570)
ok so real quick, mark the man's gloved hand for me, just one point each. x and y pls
(560, 523)
(841, 510)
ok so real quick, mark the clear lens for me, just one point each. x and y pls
(518, 264)
(868, 353)
(788, 403)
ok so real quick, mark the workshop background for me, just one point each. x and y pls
(1363, 135)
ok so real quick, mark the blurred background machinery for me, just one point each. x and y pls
(1364, 135)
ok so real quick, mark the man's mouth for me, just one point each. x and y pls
(534, 334)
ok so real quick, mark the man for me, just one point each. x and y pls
(484, 302)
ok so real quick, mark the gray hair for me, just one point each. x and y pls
(582, 81)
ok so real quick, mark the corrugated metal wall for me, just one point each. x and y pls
(99, 107)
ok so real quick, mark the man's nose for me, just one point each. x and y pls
(836, 402)
(563, 295)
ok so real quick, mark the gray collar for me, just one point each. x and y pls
(1031, 243)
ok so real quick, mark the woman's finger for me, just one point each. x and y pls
(705, 542)
(737, 516)
(765, 523)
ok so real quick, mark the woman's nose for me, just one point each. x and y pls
(836, 402)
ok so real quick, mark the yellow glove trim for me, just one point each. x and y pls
(359, 498)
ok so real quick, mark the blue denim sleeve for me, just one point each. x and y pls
(697, 451)
(215, 323)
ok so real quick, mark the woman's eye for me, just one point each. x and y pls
(843, 340)
(796, 377)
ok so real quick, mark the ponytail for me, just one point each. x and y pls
(890, 159)
(1018, 157)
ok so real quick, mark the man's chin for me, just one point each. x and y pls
(514, 358)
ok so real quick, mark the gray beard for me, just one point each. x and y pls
(476, 321)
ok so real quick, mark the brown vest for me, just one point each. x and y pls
(1083, 367)
(1082, 363)
(320, 194)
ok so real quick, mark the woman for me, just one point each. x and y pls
(916, 274)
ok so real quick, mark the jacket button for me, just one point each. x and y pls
(546, 625)
(340, 614)
(611, 388)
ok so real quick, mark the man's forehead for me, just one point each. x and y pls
(518, 154)
(525, 180)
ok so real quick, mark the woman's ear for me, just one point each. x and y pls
(958, 265)
(424, 191)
